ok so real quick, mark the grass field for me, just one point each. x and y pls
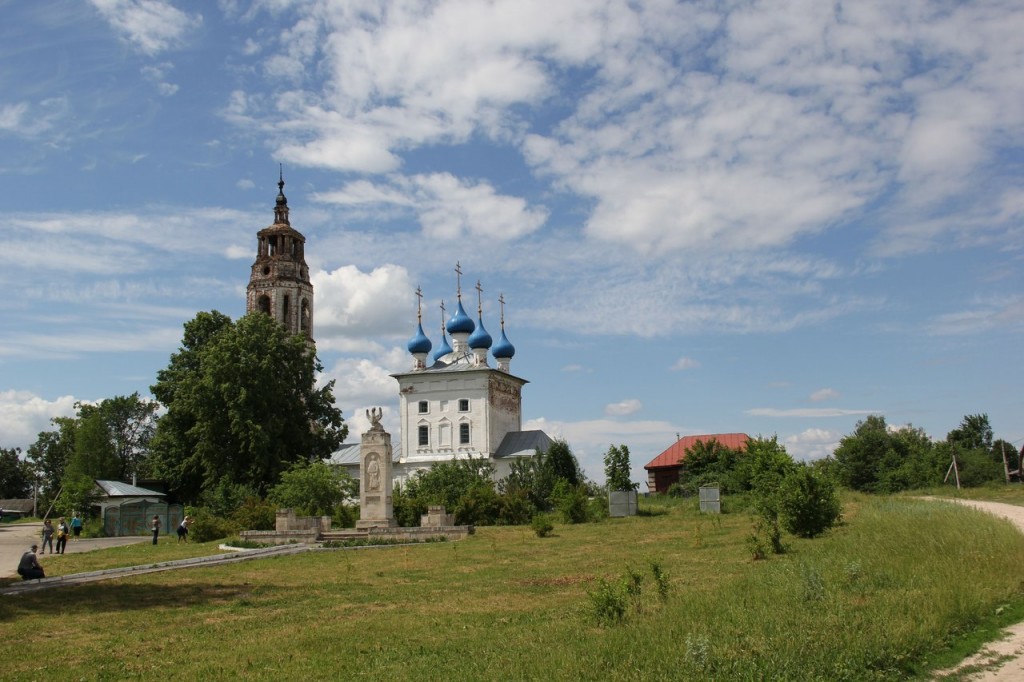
(901, 587)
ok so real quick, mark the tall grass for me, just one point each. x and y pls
(877, 598)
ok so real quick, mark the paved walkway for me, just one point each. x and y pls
(16, 538)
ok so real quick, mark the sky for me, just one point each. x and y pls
(773, 218)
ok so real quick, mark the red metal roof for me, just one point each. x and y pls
(675, 452)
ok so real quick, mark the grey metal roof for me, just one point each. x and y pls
(348, 454)
(19, 505)
(121, 489)
(523, 444)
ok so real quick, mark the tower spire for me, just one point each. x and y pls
(281, 208)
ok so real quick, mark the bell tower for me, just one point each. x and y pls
(279, 285)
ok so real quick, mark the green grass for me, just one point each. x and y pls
(901, 587)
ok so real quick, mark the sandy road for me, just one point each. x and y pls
(16, 538)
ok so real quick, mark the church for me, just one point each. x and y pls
(453, 405)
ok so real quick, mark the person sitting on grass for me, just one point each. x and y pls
(28, 567)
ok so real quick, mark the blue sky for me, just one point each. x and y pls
(767, 217)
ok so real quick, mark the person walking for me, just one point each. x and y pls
(62, 535)
(29, 567)
(156, 528)
(47, 536)
(76, 526)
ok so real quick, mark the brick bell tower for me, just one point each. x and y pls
(279, 285)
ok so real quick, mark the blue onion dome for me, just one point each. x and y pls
(503, 349)
(461, 323)
(442, 350)
(419, 343)
(479, 338)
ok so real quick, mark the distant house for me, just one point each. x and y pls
(127, 509)
(16, 509)
(663, 470)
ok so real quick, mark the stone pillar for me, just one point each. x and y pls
(375, 485)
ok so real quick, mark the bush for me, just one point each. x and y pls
(345, 515)
(570, 501)
(255, 514)
(542, 525)
(808, 503)
(206, 527)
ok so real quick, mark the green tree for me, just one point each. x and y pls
(711, 462)
(131, 421)
(561, 463)
(49, 457)
(861, 456)
(15, 475)
(808, 503)
(242, 404)
(974, 433)
(617, 469)
(93, 455)
(313, 488)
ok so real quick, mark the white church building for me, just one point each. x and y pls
(453, 404)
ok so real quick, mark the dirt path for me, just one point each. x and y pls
(1002, 660)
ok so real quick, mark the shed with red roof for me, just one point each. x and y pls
(663, 470)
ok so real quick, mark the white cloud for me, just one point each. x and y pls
(151, 26)
(448, 208)
(983, 316)
(623, 408)
(811, 444)
(824, 394)
(679, 125)
(811, 412)
(351, 304)
(685, 363)
(24, 414)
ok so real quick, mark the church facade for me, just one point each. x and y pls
(457, 406)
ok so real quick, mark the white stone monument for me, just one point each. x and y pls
(375, 486)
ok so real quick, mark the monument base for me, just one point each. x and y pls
(363, 524)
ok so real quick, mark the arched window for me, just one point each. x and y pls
(263, 304)
(304, 316)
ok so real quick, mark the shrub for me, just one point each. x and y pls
(206, 526)
(345, 515)
(608, 602)
(808, 503)
(516, 509)
(542, 525)
(479, 505)
(255, 514)
(570, 501)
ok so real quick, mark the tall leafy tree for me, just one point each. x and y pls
(561, 463)
(617, 470)
(131, 421)
(15, 474)
(974, 433)
(242, 404)
(50, 454)
(861, 455)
